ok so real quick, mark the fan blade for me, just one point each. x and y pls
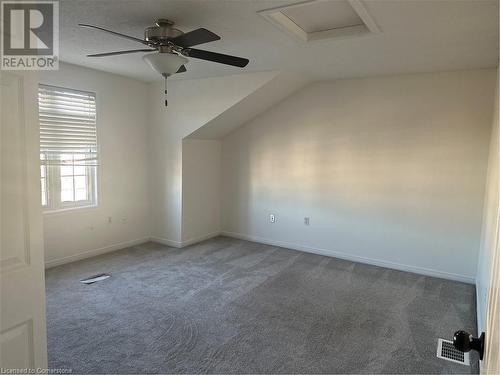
(195, 37)
(113, 32)
(215, 57)
(120, 52)
(182, 69)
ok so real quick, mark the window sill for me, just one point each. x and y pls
(56, 211)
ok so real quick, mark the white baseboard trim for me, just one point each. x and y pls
(181, 244)
(353, 258)
(200, 238)
(166, 241)
(123, 245)
(94, 252)
(288, 245)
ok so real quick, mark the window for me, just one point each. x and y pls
(68, 148)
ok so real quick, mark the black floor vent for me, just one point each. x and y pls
(95, 278)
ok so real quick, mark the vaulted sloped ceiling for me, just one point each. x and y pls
(264, 97)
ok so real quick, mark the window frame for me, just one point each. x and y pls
(53, 190)
(53, 172)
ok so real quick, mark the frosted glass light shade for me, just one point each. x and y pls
(165, 63)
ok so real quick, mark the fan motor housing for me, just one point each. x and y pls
(161, 32)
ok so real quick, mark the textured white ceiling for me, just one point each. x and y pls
(417, 36)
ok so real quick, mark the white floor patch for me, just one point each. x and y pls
(447, 351)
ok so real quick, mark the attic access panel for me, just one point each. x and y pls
(322, 19)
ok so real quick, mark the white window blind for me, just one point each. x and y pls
(68, 148)
(68, 132)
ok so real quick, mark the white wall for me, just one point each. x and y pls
(191, 104)
(390, 170)
(490, 221)
(122, 122)
(201, 176)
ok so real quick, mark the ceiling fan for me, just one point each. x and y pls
(170, 47)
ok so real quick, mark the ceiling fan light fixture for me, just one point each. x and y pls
(165, 63)
(172, 45)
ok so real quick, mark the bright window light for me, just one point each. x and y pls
(68, 148)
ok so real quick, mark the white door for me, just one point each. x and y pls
(491, 363)
(22, 282)
(492, 354)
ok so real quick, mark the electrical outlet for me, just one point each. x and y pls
(272, 218)
(306, 220)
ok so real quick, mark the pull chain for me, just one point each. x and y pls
(166, 101)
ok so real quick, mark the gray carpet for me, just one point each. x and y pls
(231, 306)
